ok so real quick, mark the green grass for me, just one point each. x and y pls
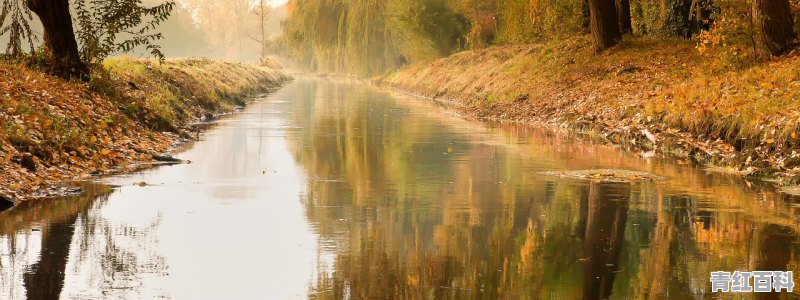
(173, 93)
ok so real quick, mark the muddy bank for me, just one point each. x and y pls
(654, 96)
(125, 119)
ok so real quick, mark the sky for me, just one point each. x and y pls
(275, 3)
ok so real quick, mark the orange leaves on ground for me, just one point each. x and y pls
(71, 131)
(63, 126)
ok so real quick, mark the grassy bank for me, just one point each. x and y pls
(644, 94)
(55, 131)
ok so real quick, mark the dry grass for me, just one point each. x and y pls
(181, 90)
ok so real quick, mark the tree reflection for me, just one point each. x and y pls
(774, 252)
(605, 233)
(72, 231)
(45, 279)
(413, 206)
(54, 220)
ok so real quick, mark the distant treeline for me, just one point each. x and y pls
(221, 29)
(367, 37)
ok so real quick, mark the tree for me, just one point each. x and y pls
(225, 25)
(775, 23)
(59, 39)
(240, 10)
(182, 36)
(108, 27)
(604, 23)
(100, 25)
(624, 16)
(262, 12)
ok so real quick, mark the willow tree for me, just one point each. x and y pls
(604, 24)
(18, 28)
(368, 37)
(775, 23)
(426, 29)
(59, 39)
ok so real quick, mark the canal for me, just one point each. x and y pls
(335, 189)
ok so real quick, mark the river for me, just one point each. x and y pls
(335, 189)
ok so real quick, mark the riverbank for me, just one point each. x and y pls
(654, 96)
(133, 111)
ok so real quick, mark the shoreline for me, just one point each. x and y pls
(145, 111)
(670, 145)
(477, 86)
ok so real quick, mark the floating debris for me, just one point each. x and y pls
(606, 175)
(791, 190)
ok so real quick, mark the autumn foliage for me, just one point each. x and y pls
(54, 130)
(645, 94)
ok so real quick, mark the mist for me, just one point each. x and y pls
(220, 29)
(226, 30)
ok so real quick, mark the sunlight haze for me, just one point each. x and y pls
(399, 149)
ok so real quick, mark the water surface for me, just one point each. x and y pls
(333, 189)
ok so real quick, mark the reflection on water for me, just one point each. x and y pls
(606, 216)
(36, 240)
(331, 189)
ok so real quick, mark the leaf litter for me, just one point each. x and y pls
(54, 131)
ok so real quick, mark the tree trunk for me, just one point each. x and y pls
(775, 23)
(585, 17)
(604, 24)
(59, 39)
(624, 16)
(263, 18)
